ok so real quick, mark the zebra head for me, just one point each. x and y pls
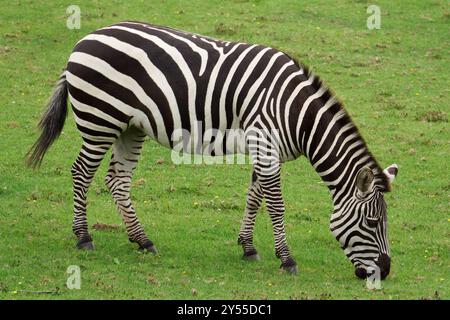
(360, 224)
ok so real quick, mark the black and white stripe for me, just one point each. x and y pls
(132, 80)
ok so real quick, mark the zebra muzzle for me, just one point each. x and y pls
(383, 263)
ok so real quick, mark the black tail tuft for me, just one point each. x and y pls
(51, 123)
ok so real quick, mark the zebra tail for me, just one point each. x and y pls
(51, 123)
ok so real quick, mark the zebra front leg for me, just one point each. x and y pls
(83, 170)
(126, 152)
(263, 146)
(254, 199)
(271, 188)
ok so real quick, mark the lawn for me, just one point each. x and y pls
(393, 81)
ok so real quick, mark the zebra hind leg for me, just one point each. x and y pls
(254, 199)
(126, 152)
(83, 170)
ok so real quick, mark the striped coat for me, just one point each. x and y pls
(132, 80)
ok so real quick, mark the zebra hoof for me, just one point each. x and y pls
(293, 270)
(290, 266)
(148, 246)
(151, 249)
(85, 243)
(252, 257)
(86, 246)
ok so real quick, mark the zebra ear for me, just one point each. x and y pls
(391, 172)
(364, 180)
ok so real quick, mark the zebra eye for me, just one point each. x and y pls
(372, 222)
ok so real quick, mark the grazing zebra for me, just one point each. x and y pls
(131, 80)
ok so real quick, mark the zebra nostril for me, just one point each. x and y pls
(361, 273)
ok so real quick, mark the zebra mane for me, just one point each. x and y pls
(381, 179)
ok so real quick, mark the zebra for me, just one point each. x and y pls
(131, 81)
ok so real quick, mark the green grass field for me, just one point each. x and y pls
(393, 81)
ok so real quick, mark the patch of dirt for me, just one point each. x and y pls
(5, 49)
(103, 226)
(433, 116)
(152, 280)
(12, 124)
(224, 29)
(139, 182)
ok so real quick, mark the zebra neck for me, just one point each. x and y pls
(335, 148)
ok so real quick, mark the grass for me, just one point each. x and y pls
(394, 82)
